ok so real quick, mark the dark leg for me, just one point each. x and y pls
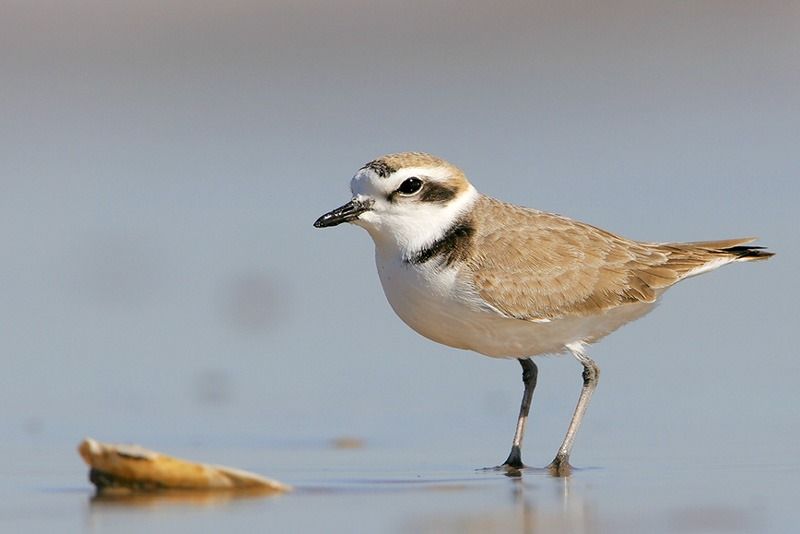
(529, 375)
(591, 373)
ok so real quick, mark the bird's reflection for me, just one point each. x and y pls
(544, 503)
(538, 502)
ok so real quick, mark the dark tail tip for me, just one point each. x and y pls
(746, 253)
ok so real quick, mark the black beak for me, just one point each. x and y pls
(342, 214)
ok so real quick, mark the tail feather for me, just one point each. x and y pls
(691, 259)
(748, 253)
(721, 244)
(737, 248)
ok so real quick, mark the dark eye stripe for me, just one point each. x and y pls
(433, 192)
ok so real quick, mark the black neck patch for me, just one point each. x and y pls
(380, 167)
(453, 246)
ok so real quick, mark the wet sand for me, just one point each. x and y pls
(387, 490)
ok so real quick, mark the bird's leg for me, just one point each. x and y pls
(529, 375)
(591, 373)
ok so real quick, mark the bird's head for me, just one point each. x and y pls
(407, 199)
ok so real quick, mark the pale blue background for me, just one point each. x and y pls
(161, 164)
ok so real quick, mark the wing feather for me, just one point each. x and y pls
(539, 266)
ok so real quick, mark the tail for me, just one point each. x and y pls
(691, 259)
(737, 249)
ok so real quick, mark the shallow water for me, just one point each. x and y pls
(393, 490)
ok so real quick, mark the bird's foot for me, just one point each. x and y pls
(507, 470)
(513, 464)
(560, 467)
(514, 460)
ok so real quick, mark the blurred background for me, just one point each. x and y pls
(161, 164)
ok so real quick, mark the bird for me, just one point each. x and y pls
(472, 272)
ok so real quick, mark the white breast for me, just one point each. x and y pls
(440, 305)
(429, 300)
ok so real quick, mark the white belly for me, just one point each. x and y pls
(440, 306)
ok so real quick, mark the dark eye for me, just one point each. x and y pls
(410, 186)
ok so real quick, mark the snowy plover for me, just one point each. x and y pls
(476, 273)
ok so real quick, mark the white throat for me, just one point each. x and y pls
(415, 227)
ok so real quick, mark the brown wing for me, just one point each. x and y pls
(538, 266)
